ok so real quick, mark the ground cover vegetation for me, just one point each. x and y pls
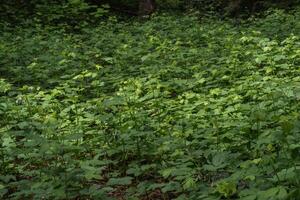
(181, 105)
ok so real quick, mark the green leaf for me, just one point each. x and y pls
(227, 189)
(119, 181)
(278, 193)
(171, 186)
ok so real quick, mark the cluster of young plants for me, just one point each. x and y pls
(77, 13)
(170, 108)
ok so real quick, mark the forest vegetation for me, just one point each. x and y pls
(149, 100)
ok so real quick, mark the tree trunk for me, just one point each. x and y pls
(146, 7)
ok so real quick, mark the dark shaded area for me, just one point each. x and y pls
(16, 10)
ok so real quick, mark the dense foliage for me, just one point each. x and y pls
(170, 108)
(78, 10)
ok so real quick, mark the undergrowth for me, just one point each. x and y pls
(169, 108)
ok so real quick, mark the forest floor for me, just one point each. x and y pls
(168, 108)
